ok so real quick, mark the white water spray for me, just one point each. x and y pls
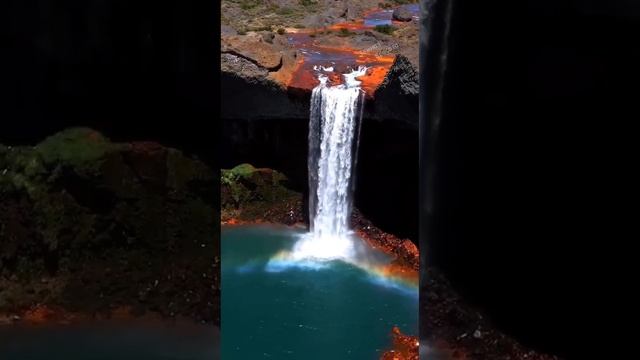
(334, 125)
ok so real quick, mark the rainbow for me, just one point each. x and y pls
(381, 273)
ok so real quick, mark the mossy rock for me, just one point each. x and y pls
(77, 204)
(246, 184)
(80, 148)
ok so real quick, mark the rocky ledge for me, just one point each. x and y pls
(263, 98)
(260, 61)
(92, 227)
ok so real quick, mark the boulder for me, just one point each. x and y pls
(402, 14)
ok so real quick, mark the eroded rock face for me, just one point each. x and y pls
(89, 225)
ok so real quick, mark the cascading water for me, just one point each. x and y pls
(333, 127)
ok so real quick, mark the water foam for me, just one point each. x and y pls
(334, 118)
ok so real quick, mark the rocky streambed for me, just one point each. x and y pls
(269, 70)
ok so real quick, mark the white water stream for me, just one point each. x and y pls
(335, 116)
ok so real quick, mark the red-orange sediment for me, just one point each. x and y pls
(305, 77)
(405, 347)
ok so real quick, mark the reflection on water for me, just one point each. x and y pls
(104, 341)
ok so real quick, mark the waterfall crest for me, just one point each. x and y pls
(334, 125)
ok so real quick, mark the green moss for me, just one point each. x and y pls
(242, 170)
(345, 32)
(22, 169)
(180, 170)
(284, 11)
(246, 184)
(261, 28)
(308, 2)
(80, 148)
(385, 29)
(58, 223)
(249, 4)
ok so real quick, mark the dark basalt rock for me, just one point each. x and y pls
(402, 14)
(110, 225)
(259, 98)
(397, 96)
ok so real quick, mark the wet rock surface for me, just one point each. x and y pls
(88, 226)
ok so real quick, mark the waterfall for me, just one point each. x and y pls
(334, 127)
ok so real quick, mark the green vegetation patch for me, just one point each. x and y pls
(345, 32)
(249, 4)
(244, 183)
(261, 28)
(385, 29)
(284, 11)
(78, 148)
